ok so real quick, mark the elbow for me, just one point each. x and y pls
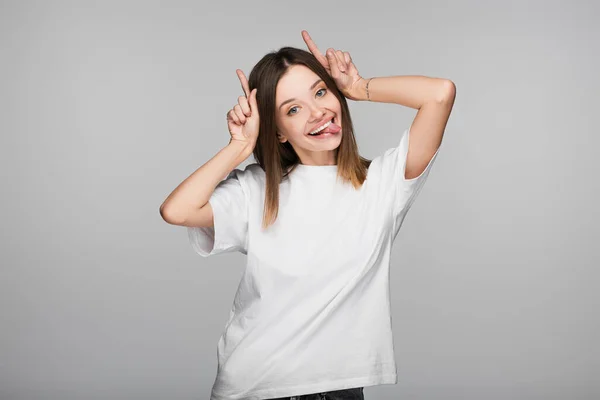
(447, 91)
(169, 216)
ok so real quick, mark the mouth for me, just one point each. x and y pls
(321, 134)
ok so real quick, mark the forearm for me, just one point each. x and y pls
(195, 191)
(407, 90)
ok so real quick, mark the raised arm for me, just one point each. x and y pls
(194, 192)
(185, 205)
(432, 97)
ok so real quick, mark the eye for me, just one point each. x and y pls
(323, 89)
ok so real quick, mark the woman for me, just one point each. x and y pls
(311, 316)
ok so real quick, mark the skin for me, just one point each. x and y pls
(311, 109)
(432, 97)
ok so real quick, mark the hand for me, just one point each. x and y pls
(340, 66)
(243, 119)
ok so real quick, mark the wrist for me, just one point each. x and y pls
(361, 92)
(243, 149)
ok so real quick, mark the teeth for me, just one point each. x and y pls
(321, 128)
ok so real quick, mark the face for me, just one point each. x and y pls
(311, 104)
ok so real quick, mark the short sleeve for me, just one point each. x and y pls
(229, 203)
(394, 165)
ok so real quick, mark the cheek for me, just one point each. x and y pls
(296, 126)
(292, 127)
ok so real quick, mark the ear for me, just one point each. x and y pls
(281, 138)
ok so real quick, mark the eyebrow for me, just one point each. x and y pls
(292, 99)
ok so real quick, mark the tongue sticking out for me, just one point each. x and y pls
(332, 128)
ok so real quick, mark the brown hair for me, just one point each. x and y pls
(278, 159)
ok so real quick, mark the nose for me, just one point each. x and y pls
(317, 114)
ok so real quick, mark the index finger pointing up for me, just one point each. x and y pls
(243, 81)
(313, 47)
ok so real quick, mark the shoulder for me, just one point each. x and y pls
(250, 177)
(393, 157)
(251, 172)
(254, 169)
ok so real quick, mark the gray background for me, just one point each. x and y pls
(107, 106)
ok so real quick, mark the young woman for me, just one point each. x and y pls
(311, 316)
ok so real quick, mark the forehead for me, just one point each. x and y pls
(295, 82)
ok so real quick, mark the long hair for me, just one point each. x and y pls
(278, 159)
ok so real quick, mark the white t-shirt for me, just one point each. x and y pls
(312, 310)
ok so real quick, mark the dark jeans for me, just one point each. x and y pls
(344, 394)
